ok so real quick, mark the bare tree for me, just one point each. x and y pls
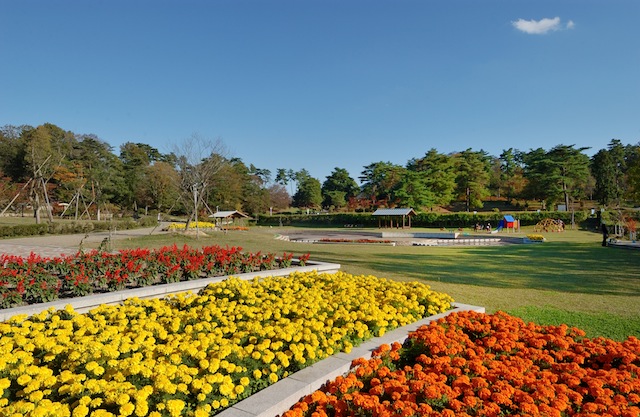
(198, 160)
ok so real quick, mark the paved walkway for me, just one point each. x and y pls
(56, 245)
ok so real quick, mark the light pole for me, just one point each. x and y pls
(195, 207)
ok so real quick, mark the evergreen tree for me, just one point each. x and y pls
(632, 190)
(438, 174)
(472, 177)
(338, 188)
(412, 191)
(309, 194)
(379, 180)
(570, 172)
(511, 173)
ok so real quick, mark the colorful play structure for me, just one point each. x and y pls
(509, 223)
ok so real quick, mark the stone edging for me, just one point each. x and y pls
(86, 303)
(274, 400)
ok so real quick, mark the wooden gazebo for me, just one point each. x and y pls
(227, 217)
(402, 217)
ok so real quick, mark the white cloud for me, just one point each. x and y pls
(540, 27)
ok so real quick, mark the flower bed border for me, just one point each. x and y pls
(281, 396)
(86, 303)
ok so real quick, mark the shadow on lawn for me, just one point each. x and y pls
(556, 266)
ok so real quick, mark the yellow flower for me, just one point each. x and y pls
(175, 407)
(201, 413)
(122, 399)
(24, 379)
(142, 408)
(127, 409)
(80, 411)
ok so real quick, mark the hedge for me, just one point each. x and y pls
(426, 219)
(63, 227)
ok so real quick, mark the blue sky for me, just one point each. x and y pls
(322, 84)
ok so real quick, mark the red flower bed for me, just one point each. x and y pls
(472, 364)
(339, 240)
(36, 279)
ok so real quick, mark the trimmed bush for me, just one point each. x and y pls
(423, 219)
(65, 228)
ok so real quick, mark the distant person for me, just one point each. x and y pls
(605, 234)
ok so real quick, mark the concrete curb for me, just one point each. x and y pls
(277, 398)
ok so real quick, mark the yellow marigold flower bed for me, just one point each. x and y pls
(194, 355)
(537, 238)
(192, 225)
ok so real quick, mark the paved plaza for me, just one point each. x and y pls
(56, 245)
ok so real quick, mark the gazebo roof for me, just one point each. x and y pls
(394, 212)
(231, 213)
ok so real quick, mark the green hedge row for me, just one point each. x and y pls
(428, 219)
(64, 227)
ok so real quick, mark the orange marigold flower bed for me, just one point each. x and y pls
(473, 364)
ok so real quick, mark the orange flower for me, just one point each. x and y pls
(472, 364)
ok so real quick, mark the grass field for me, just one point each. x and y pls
(569, 279)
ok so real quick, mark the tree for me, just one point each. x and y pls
(608, 167)
(162, 184)
(100, 173)
(279, 198)
(535, 166)
(338, 187)
(309, 194)
(472, 177)
(285, 177)
(561, 174)
(571, 171)
(11, 151)
(256, 197)
(261, 176)
(379, 179)
(511, 173)
(239, 187)
(632, 191)
(198, 161)
(412, 191)
(135, 160)
(438, 174)
(43, 150)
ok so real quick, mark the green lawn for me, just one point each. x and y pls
(570, 278)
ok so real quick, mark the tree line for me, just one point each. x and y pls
(46, 167)
(563, 175)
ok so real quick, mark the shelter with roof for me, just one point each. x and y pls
(227, 217)
(401, 216)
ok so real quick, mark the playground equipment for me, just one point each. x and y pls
(509, 223)
(549, 225)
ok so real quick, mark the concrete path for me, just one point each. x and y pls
(56, 245)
